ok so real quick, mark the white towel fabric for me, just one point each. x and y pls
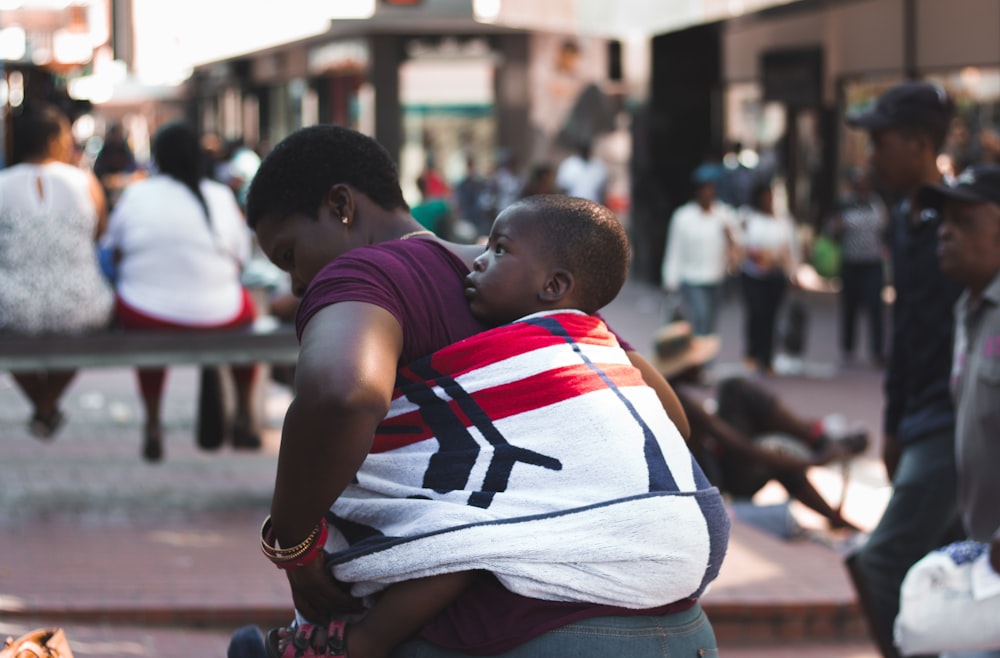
(534, 451)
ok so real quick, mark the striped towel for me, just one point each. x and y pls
(534, 451)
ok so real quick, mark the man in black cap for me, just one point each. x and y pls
(907, 126)
(969, 252)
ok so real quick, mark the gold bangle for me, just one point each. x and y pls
(276, 554)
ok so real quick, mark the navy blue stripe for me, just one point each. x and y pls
(451, 433)
(717, 522)
(660, 477)
(718, 527)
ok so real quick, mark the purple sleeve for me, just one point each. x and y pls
(419, 282)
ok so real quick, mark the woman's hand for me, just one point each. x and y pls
(317, 596)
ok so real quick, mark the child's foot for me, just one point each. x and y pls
(307, 640)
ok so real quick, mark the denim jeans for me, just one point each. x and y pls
(679, 635)
(921, 515)
(701, 301)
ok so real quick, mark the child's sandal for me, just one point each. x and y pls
(302, 644)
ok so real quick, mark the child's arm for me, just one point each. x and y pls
(401, 611)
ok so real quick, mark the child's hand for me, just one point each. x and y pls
(317, 596)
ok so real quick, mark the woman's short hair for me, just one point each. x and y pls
(296, 176)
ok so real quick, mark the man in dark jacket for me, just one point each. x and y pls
(907, 126)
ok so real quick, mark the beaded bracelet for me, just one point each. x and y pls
(297, 556)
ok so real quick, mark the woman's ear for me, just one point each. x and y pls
(557, 287)
(340, 201)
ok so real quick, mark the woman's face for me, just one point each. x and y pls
(302, 245)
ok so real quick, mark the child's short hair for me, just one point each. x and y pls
(298, 173)
(587, 239)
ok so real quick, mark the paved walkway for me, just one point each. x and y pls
(161, 560)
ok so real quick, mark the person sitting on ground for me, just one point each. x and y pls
(550, 263)
(377, 293)
(180, 241)
(751, 437)
(51, 214)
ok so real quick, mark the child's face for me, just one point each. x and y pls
(506, 279)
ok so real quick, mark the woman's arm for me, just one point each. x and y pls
(668, 398)
(344, 380)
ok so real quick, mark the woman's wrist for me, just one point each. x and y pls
(303, 553)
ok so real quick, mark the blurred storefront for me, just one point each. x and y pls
(791, 74)
(427, 80)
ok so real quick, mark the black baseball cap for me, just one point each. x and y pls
(977, 184)
(908, 103)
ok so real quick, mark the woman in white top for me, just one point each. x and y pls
(699, 244)
(180, 243)
(770, 259)
(51, 214)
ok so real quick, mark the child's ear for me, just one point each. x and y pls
(557, 286)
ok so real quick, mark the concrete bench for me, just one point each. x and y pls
(266, 341)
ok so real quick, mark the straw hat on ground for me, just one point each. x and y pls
(677, 349)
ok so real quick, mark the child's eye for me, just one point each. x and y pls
(498, 249)
(287, 256)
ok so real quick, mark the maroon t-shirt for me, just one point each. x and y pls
(421, 283)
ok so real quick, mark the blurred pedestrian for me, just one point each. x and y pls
(115, 163)
(541, 180)
(434, 213)
(907, 126)
(769, 262)
(969, 239)
(860, 226)
(700, 244)
(241, 166)
(583, 174)
(471, 198)
(51, 214)
(434, 184)
(181, 242)
(504, 185)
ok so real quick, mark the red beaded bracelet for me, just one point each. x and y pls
(298, 556)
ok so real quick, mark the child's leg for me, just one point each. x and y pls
(401, 611)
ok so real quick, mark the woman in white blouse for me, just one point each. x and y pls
(770, 259)
(180, 241)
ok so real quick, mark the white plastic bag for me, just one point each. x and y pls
(950, 601)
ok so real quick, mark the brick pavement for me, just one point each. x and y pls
(161, 560)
